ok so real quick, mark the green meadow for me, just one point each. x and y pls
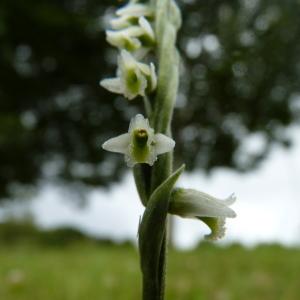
(94, 271)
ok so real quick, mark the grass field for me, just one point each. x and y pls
(87, 271)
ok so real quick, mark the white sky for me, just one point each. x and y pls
(268, 204)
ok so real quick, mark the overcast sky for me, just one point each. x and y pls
(268, 204)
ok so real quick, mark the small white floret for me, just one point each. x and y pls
(191, 203)
(133, 78)
(140, 144)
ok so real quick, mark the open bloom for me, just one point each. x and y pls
(133, 78)
(140, 144)
(195, 204)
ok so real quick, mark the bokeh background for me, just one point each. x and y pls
(69, 211)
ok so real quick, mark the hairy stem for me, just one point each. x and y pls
(167, 23)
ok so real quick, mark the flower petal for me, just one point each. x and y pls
(121, 22)
(123, 39)
(192, 203)
(163, 143)
(140, 53)
(118, 144)
(217, 227)
(151, 159)
(114, 85)
(135, 10)
(153, 77)
(230, 200)
(144, 68)
(147, 28)
(126, 60)
(130, 161)
(139, 122)
(209, 206)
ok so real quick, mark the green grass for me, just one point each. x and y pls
(88, 271)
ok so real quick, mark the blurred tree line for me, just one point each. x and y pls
(240, 72)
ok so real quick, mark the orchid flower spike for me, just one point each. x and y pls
(190, 203)
(134, 78)
(140, 144)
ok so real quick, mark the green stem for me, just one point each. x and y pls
(150, 290)
(153, 230)
(163, 264)
(152, 239)
(147, 105)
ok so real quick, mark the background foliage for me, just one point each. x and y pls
(240, 75)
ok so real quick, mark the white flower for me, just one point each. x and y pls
(122, 22)
(195, 204)
(140, 144)
(132, 38)
(130, 14)
(134, 78)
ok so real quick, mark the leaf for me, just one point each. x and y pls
(151, 235)
(142, 177)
